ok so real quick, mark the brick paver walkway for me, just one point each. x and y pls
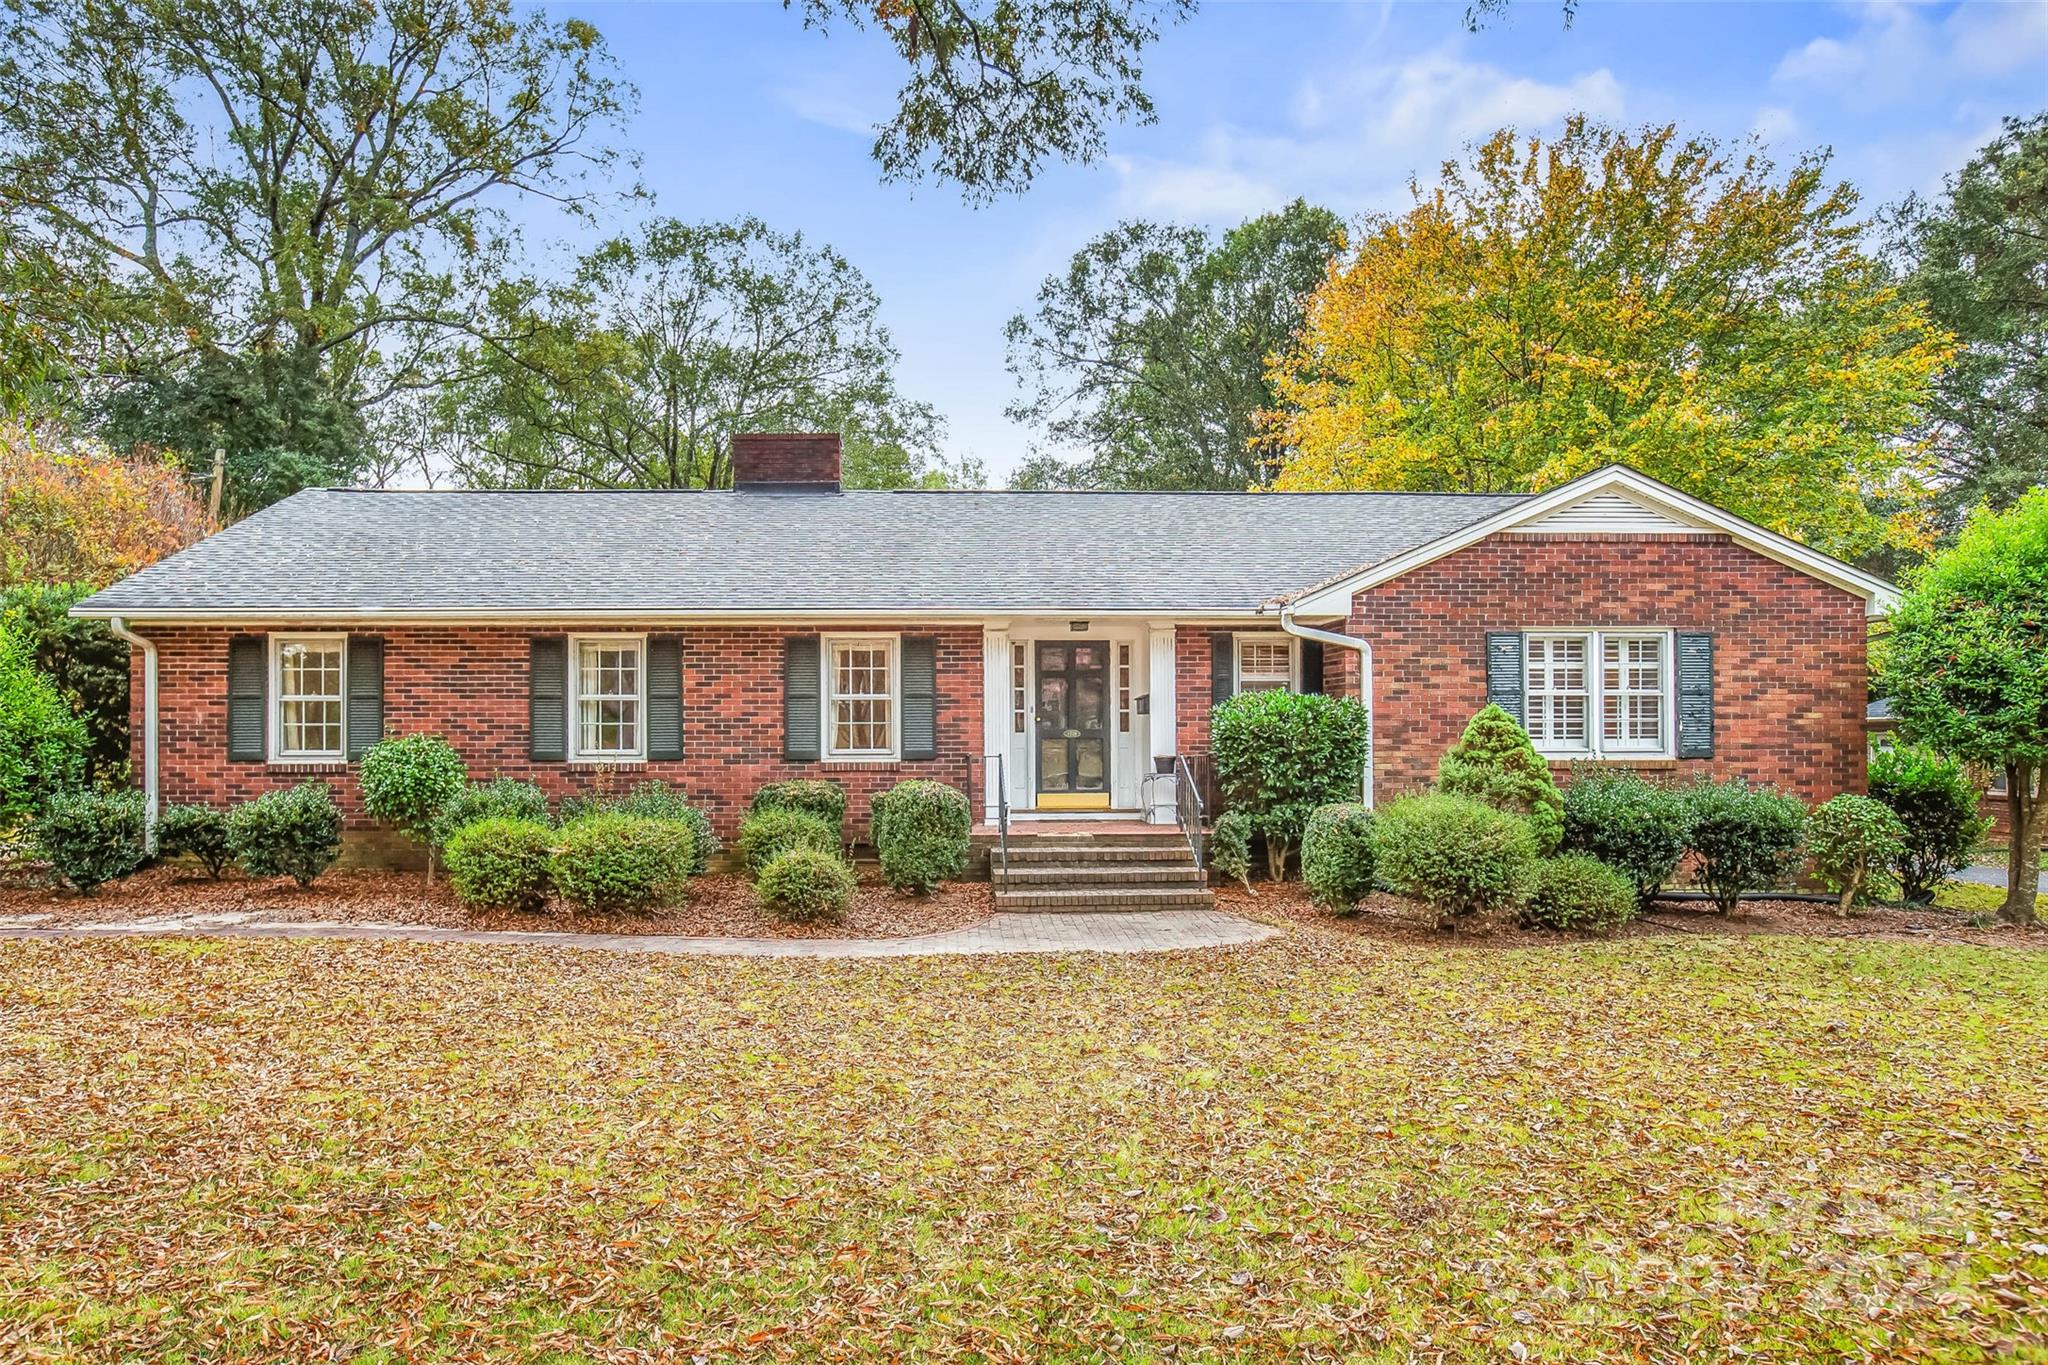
(1129, 932)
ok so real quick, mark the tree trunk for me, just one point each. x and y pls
(1848, 899)
(1276, 858)
(2023, 859)
(430, 863)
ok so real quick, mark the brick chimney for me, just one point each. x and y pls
(786, 462)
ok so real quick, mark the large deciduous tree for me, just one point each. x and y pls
(1966, 666)
(75, 512)
(1978, 258)
(1150, 352)
(640, 369)
(278, 202)
(1647, 299)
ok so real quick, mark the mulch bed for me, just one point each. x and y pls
(1392, 919)
(719, 905)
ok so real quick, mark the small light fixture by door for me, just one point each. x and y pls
(1077, 627)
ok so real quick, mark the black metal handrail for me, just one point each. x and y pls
(1002, 810)
(1187, 807)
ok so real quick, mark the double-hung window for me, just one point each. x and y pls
(306, 675)
(608, 699)
(1265, 663)
(860, 696)
(1598, 693)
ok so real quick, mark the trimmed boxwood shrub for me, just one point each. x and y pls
(921, 833)
(655, 799)
(1851, 839)
(90, 838)
(407, 780)
(613, 862)
(1635, 827)
(801, 884)
(814, 795)
(1938, 804)
(1230, 848)
(1337, 855)
(197, 832)
(502, 863)
(1460, 859)
(777, 829)
(502, 798)
(294, 833)
(1494, 762)
(1746, 837)
(1279, 755)
(1578, 891)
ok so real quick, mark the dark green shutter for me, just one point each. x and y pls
(920, 697)
(664, 697)
(547, 698)
(1505, 677)
(1222, 667)
(248, 674)
(365, 693)
(1311, 665)
(801, 718)
(1695, 694)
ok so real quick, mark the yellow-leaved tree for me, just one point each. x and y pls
(1609, 297)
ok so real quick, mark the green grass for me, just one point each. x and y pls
(1977, 899)
(1318, 1148)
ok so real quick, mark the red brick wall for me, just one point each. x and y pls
(1191, 701)
(806, 457)
(469, 684)
(1789, 651)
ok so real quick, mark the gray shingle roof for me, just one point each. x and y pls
(355, 552)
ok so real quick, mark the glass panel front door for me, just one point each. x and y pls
(1073, 720)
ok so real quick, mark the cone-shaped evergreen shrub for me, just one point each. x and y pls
(1495, 762)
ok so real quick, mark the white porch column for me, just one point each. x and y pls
(1163, 684)
(995, 709)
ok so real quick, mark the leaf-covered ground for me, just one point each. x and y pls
(1324, 1147)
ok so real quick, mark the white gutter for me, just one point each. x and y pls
(1364, 651)
(119, 627)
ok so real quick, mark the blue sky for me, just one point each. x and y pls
(743, 111)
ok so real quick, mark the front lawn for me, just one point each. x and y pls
(1655, 1148)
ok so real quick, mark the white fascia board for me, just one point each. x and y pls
(1334, 597)
(470, 616)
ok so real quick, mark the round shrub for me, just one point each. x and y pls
(503, 798)
(1851, 838)
(1635, 827)
(1279, 755)
(657, 800)
(501, 863)
(92, 837)
(294, 833)
(1577, 891)
(777, 829)
(1494, 762)
(1230, 847)
(199, 832)
(1337, 855)
(921, 832)
(1460, 859)
(1937, 803)
(612, 862)
(826, 800)
(406, 781)
(1746, 837)
(801, 884)
(42, 743)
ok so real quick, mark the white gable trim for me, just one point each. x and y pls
(1610, 511)
(1688, 513)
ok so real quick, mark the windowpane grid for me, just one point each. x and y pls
(1123, 689)
(1264, 665)
(1018, 700)
(608, 698)
(862, 702)
(1632, 692)
(309, 699)
(1558, 692)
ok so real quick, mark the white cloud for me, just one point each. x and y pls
(1900, 53)
(1354, 140)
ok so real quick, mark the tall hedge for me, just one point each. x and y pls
(86, 661)
(1279, 755)
(42, 743)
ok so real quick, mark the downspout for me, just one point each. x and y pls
(1364, 650)
(120, 631)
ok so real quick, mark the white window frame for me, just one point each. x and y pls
(1243, 638)
(274, 717)
(1596, 747)
(828, 649)
(579, 754)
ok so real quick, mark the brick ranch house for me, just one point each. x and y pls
(789, 628)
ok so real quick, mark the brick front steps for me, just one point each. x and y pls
(1120, 869)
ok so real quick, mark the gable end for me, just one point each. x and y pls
(1611, 512)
